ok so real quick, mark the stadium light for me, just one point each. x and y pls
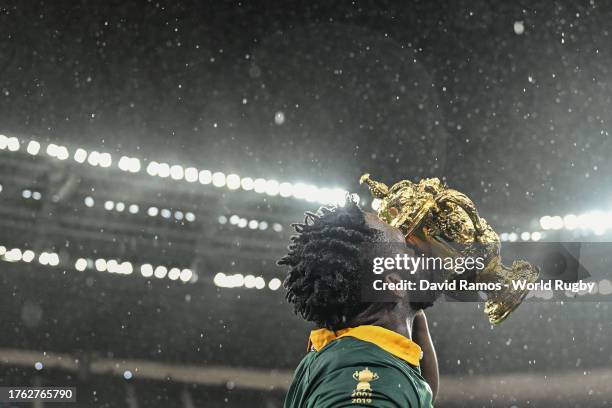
(260, 283)
(160, 272)
(205, 177)
(174, 273)
(146, 270)
(180, 173)
(186, 275)
(14, 255)
(274, 284)
(218, 179)
(28, 256)
(62, 153)
(191, 174)
(285, 189)
(597, 222)
(93, 158)
(163, 170)
(80, 265)
(112, 266)
(177, 172)
(100, 265)
(272, 187)
(33, 147)
(80, 155)
(247, 184)
(153, 168)
(259, 185)
(12, 143)
(232, 181)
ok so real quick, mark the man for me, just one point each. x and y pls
(363, 354)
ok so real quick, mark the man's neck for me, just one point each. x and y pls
(398, 318)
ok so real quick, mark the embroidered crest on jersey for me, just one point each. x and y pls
(362, 394)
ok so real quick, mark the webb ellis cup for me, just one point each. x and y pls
(442, 222)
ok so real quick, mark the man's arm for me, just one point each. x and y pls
(429, 363)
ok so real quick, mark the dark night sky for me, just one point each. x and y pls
(518, 121)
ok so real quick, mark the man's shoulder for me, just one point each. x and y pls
(344, 353)
(349, 352)
(349, 369)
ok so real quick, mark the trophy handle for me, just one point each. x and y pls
(412, 226)
(460, 199)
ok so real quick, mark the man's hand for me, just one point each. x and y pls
(429, 362)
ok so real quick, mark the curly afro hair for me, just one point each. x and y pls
(325, 264)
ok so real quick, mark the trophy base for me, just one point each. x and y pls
(500, 304)
(498, 311)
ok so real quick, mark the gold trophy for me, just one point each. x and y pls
(443, 222)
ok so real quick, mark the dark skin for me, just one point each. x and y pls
(401, 318)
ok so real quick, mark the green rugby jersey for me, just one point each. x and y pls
(364, 366)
